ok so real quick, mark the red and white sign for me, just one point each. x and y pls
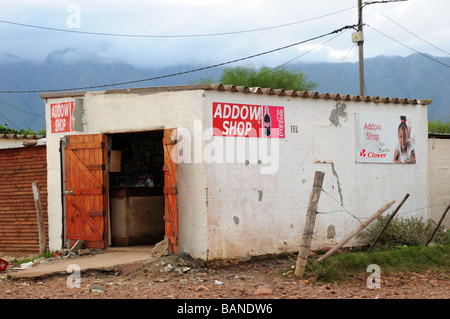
(248, 120)
(61, 117)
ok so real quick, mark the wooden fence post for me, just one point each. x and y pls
(357, 230)
(387, 223)
(439, 224)
(309, 224)
(40, 217)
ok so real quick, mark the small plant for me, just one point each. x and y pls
(47, 254)
(340, 268)
(438, 126)
(410, 232)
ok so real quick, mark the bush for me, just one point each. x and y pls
(411, 232)
(438, 126)
(342, 267)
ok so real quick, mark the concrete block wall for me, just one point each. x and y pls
(439, 177)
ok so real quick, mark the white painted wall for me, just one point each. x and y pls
(438, 178)
(54, 201)
(250, 213)
(115, 113)
(112, 113)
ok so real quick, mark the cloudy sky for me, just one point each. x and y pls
(155, 33)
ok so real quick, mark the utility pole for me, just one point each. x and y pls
(359, 38)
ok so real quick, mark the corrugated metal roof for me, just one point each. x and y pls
(246, 90)
(22, 136)
(439, 135)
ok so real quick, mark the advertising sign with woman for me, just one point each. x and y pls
(384, 138)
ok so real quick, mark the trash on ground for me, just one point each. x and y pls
(3, 265)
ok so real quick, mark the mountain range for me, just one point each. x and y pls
(417, 76)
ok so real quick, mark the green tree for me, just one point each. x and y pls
(203, 80)
(8, 130)
(438, 126)
(265, 77)
(280, 78)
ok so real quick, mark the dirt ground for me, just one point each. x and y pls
(172, 277)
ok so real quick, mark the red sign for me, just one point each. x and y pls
(248, 120)
(61, 117)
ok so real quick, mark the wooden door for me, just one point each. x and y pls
(86, 189)
(170, 189)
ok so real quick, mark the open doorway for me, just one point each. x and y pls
(136, 188)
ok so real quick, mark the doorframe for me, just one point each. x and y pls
(170, 189)
(62, 144)
(174, 243)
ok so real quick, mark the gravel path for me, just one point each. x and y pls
(171, 277)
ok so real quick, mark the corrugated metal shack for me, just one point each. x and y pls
(20, 166)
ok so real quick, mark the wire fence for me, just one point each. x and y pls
(352, 217)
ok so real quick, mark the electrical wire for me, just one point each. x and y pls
(385, 1)
(17, 108)
(303, 54)
(8, 120)
(172, 36)
(415, 35)
(181, 73)
(338, 66)
(423, 54)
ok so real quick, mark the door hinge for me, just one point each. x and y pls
(169, 140)
(170, 190)
(68, 192)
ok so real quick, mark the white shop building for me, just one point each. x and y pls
(226, 171)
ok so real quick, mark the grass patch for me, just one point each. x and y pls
(340, 268)
(47, 254)
(411, 231)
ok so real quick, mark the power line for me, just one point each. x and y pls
(384, 1)
(171, 36)
(184, 72)
(8, 120)
(360, 40)
(338, 66)
(423, 54)
(412, 32)
(303, 54)
(15, 107)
